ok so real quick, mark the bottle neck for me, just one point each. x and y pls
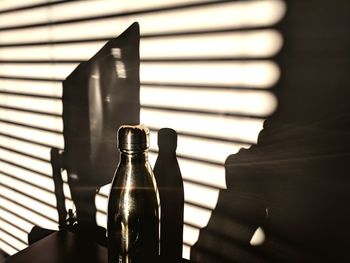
(133, 157)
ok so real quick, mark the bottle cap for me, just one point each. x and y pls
(133, 138)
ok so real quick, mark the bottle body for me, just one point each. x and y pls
(133, 212)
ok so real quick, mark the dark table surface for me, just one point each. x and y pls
(62, 247)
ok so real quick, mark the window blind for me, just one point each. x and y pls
(207, 69)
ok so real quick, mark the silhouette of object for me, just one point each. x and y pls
(239, 212)
(170, 186)
(299, 168)
(56, 164)
(98, 96)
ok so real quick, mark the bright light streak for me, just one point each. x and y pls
(25, 35)
(186, 252)
(11, 240)
(104, 190)
(29, 52)
(260, 103)
(196, 216)
(20, 234)
(54, 139)
(45, 197)
(28, 176)
(39, 104)
(101, 202)
(6, 4)
(258, 74)
(199, 148)
(79, 51)
(8, 249)
(190, 234)
(258, 238)
(204, 173)
(30, 203)
(55, 71)
(64, 175)
(48, 88)
(97, 7)
(87, 8)
(201, 195)
(221, 16)
(16, 220)
(24, 17)
(196, 147)
(152, 158)
(33, 119)
(101, 219)
(66, 191)
(260, 43)
(243, 129)
(34, 217)
(26, 147)
(31, 163)
(209, 174)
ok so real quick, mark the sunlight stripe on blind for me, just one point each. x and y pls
(232, 15)
(9, 239)
(45, 105)
(37, 120)
(29, 162)
(220, 101)
(36, 150)
(25, 225)
(235, 128)
(44, 196)
(192, 146)
(30, 177)
(20, 234)
(36, 218)
(9, 4)
(50, 71)
(69, 10)
(261, 74)
(257, 43)
(41, 88)
(32, 134)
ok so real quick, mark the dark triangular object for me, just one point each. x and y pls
(99, 96)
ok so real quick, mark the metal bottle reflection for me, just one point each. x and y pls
(133, 215)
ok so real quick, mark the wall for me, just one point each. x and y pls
(206, 71)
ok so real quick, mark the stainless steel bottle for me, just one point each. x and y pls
(133, 204)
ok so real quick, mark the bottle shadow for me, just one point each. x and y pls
(171, 193)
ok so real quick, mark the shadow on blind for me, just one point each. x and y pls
(206, 70)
